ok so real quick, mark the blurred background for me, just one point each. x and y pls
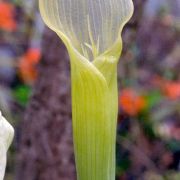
(35, 94)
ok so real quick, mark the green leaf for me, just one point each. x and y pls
(153, 98)
(22, 94)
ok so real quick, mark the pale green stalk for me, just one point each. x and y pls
(91, 31)
(6, 136)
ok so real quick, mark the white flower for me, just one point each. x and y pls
(91, 31)
(92, 26)
(6, 136)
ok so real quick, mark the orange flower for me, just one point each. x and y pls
(131, 102)
(7, 21)
(171, 89)
(27, 65)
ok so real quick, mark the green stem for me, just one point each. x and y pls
(95, 107)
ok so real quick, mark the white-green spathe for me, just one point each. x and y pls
(91, 31)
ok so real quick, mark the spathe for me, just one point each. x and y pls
(6, 136)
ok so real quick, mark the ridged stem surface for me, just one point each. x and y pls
(94, 106)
